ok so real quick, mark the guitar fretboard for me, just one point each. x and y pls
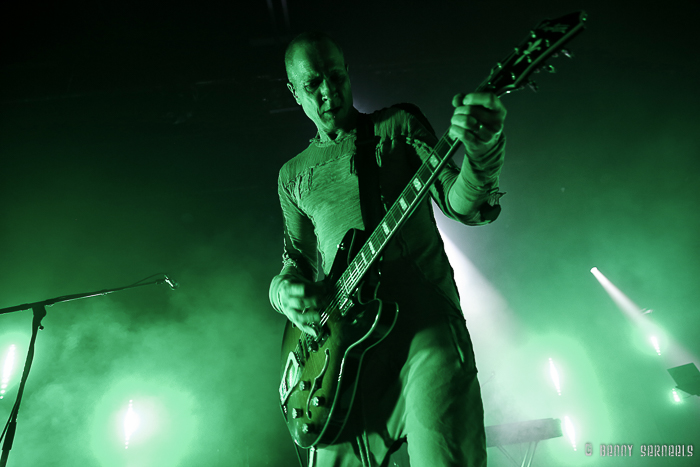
(508, 75)
(396, 216)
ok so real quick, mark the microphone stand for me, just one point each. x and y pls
(39, 310)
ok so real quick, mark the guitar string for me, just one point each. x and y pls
(486, 85)
(353, 277)
(357, 273)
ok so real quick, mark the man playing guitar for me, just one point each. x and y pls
(419, 384)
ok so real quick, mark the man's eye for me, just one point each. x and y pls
(312, 85)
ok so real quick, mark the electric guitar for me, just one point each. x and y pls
(319, 374)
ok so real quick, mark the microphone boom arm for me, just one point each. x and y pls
(39, 312)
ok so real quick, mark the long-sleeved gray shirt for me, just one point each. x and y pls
(319, 196)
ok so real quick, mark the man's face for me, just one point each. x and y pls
(320, 84)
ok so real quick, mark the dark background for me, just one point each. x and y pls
(145, 137)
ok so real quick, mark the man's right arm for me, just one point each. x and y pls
(293, 292)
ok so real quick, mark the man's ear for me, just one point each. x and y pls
(290, 86)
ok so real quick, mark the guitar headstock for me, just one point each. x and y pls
(546, 40)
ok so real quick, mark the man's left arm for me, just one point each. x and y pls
(478, 122)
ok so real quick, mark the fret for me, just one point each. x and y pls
(433, 161)
(343, 286)
(353, 270)
(414, 192)
(424, 174)
(409, 195)
(369, 254)
(396, 215)
(417, 184)
(381, 237)
(402, 203)
(358, 267)
(386, 229)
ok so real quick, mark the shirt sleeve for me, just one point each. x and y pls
(475, 185)
(300, 250)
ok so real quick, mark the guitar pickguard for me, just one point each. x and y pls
(317, 383)
(290, 377)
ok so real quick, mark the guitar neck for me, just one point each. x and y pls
(510, 74)
(396, 216)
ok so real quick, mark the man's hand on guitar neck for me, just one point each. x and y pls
(477, 122)
(300, 301)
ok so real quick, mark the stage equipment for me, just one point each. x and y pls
(531, 432)
(39, 310)
(687, 378)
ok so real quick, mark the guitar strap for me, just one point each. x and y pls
(367, 166)
(367, 169)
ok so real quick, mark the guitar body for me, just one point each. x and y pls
(319, 376)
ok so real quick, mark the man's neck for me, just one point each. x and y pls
(348, 126)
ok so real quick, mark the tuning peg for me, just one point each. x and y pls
(533, 86)
(567, 53)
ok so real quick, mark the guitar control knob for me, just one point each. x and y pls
(305, 385)
(317, 401)
(306, 428)
(296, 413)
(313, 345)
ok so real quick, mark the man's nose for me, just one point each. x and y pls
(328, 89)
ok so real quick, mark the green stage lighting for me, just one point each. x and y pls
(131, 423)
(7, 370)
(676, 398)
(555, 376)
(655, 343)
(570, 432)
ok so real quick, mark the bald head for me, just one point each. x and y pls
(319, 81)
(304, 41)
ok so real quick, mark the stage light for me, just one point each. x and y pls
(655, 343)
(676, 397)
(570, 432)
(143, 421)
(554, 375)
(131, 423)
(7, 370)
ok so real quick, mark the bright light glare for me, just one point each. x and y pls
(676, 397)
(655, 343)
(569, 428)
(131, 423)
(7, 370)
(555, 376)
(622, 301)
